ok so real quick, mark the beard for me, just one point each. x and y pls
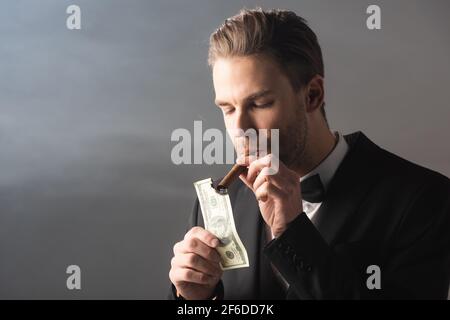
(293, 139)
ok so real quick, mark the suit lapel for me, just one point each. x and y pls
(348, 188)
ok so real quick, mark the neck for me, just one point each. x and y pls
(318, 146)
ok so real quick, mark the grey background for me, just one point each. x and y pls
(86, 118)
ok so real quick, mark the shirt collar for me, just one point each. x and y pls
(327, 168)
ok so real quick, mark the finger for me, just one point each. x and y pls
(242, 176)
(188, 275)
(265, 175)
(281, 181)
(194, 245)
(245, 160)
(203, 235)
(256, 166)
(264, 166)
(196, 262)
(268, 190)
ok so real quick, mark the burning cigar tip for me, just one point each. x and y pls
(232, 175)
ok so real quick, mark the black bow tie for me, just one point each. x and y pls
(312, 189)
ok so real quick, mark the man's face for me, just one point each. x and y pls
(253, 93)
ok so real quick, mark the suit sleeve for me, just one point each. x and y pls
(196, 220)
(417, 264)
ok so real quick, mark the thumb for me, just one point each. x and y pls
(243, 177)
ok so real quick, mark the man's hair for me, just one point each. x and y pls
(281, 34)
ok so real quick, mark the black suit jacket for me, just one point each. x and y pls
(379, 210)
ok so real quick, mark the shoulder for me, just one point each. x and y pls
(408, 173)
(394, 170)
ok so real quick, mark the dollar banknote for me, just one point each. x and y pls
(218, 218)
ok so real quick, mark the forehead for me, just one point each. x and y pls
(236, 77)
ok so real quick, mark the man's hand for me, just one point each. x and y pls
(195, 269)
(278, 195)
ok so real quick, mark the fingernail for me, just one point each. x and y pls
(215, 243)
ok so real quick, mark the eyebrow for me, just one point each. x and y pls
(253, 96)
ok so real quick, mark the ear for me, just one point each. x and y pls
(314, 93)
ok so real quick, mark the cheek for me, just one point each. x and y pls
(270, 118)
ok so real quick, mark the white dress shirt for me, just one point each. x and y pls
(326, 170)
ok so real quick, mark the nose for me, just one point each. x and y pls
(243, 120)
(243, 132)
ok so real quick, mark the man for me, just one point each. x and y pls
(339, 209)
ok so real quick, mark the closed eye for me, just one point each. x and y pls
(228, 110)
(264, 105)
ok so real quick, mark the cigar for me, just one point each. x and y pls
(232, 175)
